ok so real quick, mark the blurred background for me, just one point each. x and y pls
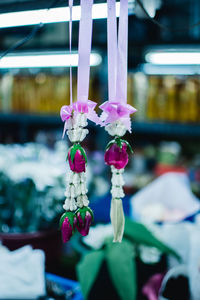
(162, 180)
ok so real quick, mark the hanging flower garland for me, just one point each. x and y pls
(116, 111)
(78, 215)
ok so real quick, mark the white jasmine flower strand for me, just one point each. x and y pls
(76, 191)
(116, 128)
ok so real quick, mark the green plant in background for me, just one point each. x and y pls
(120, 259)
(32, 185)
(23, 208)
(31, 188)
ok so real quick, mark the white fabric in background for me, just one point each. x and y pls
(184, 238)
(194, 263)
(176, 236)
(97, 236)
(22, 273)
(172, 273)
(167, 198)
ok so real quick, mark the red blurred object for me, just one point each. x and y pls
(161, 169)
(197, 175)
(48, 241)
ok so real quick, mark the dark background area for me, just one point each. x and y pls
(178, 18)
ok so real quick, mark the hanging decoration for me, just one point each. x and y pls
(116, 112)
(78, 215)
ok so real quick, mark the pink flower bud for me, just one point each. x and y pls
(116, 156)
(84, 220)
(67, 222)
(78, 164)
(66, 230)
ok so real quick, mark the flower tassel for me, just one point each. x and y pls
(116, 157)
(117, 219)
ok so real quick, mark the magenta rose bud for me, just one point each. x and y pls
(78, 163)
(67, 223)
(66, 230)
(84, 220)
(116, 156)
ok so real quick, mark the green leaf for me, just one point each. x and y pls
(62, 219)
(72, 152)
(139, 234)
(91, 212)
(88, 269)
(83, 153)
(68, 214)
(83, 210)
(110, 144)
(128, 145)
(119, 142)
(121, 266)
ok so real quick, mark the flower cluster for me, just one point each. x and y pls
(78, 215)
(80, 220)
(75, 125)
(76, 191)
(116, 153)
(116, 156)
(116, 129)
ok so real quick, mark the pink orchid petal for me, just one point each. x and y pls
(86, 107)
(81, 107)
(91, 104)
(131, 108)
(66, 112)
(115, 111)
(92, 116)
(104, 105)
(127, 123)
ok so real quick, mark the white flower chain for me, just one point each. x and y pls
(76, 131)
(76, 191)
(116, 128)
(117, 183)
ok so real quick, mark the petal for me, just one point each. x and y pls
(79, 162)
(116, 156)
(66, 112)
(66, 230)
(71, 164)
(91, 104)
(84, 226)
(80, 222)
